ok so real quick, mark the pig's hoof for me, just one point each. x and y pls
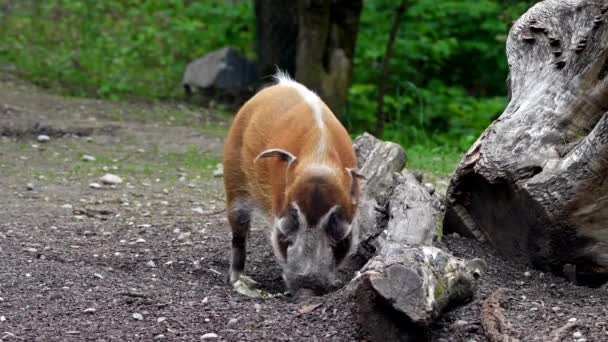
(241, 286)
(248, 281)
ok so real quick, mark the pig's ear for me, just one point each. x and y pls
(354, 184)
(355, 173)
(278, 153)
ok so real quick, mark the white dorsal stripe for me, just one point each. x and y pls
(313, 101)
(309, 96)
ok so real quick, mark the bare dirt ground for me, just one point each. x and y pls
(147, 259)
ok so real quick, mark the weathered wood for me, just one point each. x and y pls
(533, 184)
(407, 283)
(381, 161)
(495, 326)
(403, 289)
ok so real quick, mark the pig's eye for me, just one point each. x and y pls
(335, 227)
(289, 223)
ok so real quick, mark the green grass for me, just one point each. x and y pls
(437, 160)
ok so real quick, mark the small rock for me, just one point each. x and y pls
(2, 318)
(527, 274)
(209, 336)
(72, 332)
(257, 307)
(95, 185)
(205, 300)
(219, 170)
(140, 240)
(29, 186)
(572, 320)
(138, 316)
(30, 250)
(43, 138)
(151, 263)
(555, 308)
(90, 310)
(159, 337)
(87, 157)
(577, 334)
(110, 179)
(460, 324)
(161, 319)
(198, 210)
(184, 236)
(232, 321)
(430, 188)
(66, 206)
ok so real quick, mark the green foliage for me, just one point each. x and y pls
(447, 74)
(116, 48)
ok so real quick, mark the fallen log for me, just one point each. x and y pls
(534, 184)
(406, 284)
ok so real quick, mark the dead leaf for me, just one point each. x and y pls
(308, 308)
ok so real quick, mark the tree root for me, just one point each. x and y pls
(495, 326)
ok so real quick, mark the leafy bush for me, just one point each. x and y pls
(118, 47)
(447, 74)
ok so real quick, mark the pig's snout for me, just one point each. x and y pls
(310, 285)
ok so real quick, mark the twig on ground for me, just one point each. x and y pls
(495, 326)
(560, 334)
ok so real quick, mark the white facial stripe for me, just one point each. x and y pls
(313, 101)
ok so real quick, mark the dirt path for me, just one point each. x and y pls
(146, 259)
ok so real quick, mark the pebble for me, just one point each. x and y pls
(219, 170)
(159, 337)
(555, 308)
(572, 320)
(90, 310)
(138, 316)
(232, 321)
(29, 186)
(257, 307)
(430, 188)
(95, 185)
(87, 157)
(209, 336)
(527, 274)
(460, 324)
(205, 300)
(2, 318)
(161, 319)
(66, 206)
(43, 138)
(151, 263)
(110, 179)
(140, 240)
(577, 334)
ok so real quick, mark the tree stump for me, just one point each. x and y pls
(534, 184)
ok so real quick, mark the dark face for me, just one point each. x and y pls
(311, 238)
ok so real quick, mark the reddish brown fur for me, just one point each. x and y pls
(278, 117)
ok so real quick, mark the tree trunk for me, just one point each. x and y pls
(534, 184)
(313, 40)
(380, 115)
(276, 33)
(326, 46)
